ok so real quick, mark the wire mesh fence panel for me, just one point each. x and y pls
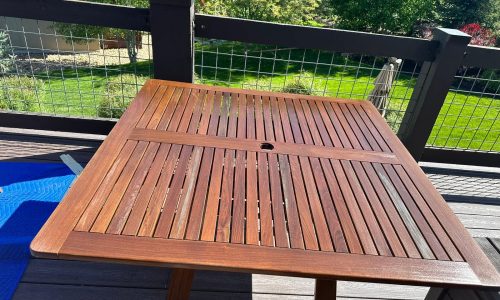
(88, 71)
(469, 118)
(68, 69)
(302, 71)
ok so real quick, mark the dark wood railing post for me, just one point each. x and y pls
(173, 39)
(431, 89)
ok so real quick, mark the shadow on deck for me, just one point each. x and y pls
(473, 194)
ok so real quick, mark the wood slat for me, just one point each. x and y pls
(431, 219)
(225, 179)
(156, 203)
(252, 206)
(292, 219)
(336, 114)
(348, 228)
(395, 211)
(456, 231)
(322, 231)
(185, 203)
(127, 201)
(358, 134)
(87, 218)
(210, 219)
(119, 189)
(277, 210)
(307, 225)
(76, 202)
(239, 194)
(336, 127)
(382, 218)
(210, 115)
(191, 116)
(326, 201)
(354, 210)
(379, 138)
(366, 210)
(256, 146)
(86, 221)
(273, 260)
(223, 232)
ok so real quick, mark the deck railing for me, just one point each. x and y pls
(444, 96)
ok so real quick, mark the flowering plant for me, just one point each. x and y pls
(480, 36)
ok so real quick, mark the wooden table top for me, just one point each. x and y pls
(202, 177)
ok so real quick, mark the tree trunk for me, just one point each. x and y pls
(131, 37)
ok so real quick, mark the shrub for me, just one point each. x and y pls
(297, 87)
(121, 90)
(480, 36)
(491, 84)
(20, 93)
(6, 57)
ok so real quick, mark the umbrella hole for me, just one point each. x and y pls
(267, 146)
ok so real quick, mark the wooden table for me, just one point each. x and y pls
(199, 177)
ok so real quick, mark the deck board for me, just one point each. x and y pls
(473, 195)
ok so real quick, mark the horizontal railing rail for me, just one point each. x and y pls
(250, 31)
(79, 12)
(482, 57)
(173, 26)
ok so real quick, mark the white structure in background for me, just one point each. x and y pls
(383, 84)
(39, 36)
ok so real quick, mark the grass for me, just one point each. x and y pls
(79, 91)
(466, 120)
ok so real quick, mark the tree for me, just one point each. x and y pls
(79, 33)
(492, 17)
(6, 55)
(456, 13)
(381, 16)
(290, 11)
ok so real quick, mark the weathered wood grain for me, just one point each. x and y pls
(332, 189)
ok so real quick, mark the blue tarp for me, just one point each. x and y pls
(31, 191)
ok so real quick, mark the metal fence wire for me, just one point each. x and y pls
(302, 71)
(470, 119)
(66, 69)
(89, 72)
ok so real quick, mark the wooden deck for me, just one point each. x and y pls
(473, 193)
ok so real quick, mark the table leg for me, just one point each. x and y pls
(325, 289)
(436, 293)
(180, 284)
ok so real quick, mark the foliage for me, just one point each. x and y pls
(456, 13)
(297, 87)
(6, 56)
(480, 36)
(80, 33)
(121, 90)
(290, 11)
(20, 93)
(489, 82)
(381, 16)
(492, 17)
(424, 30)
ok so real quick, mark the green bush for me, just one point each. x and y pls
(121, 90)
(487, 81)
(6, 56)
(20, 93)
(492, 82)
(297, 87)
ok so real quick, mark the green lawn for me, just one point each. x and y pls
(79, 91)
